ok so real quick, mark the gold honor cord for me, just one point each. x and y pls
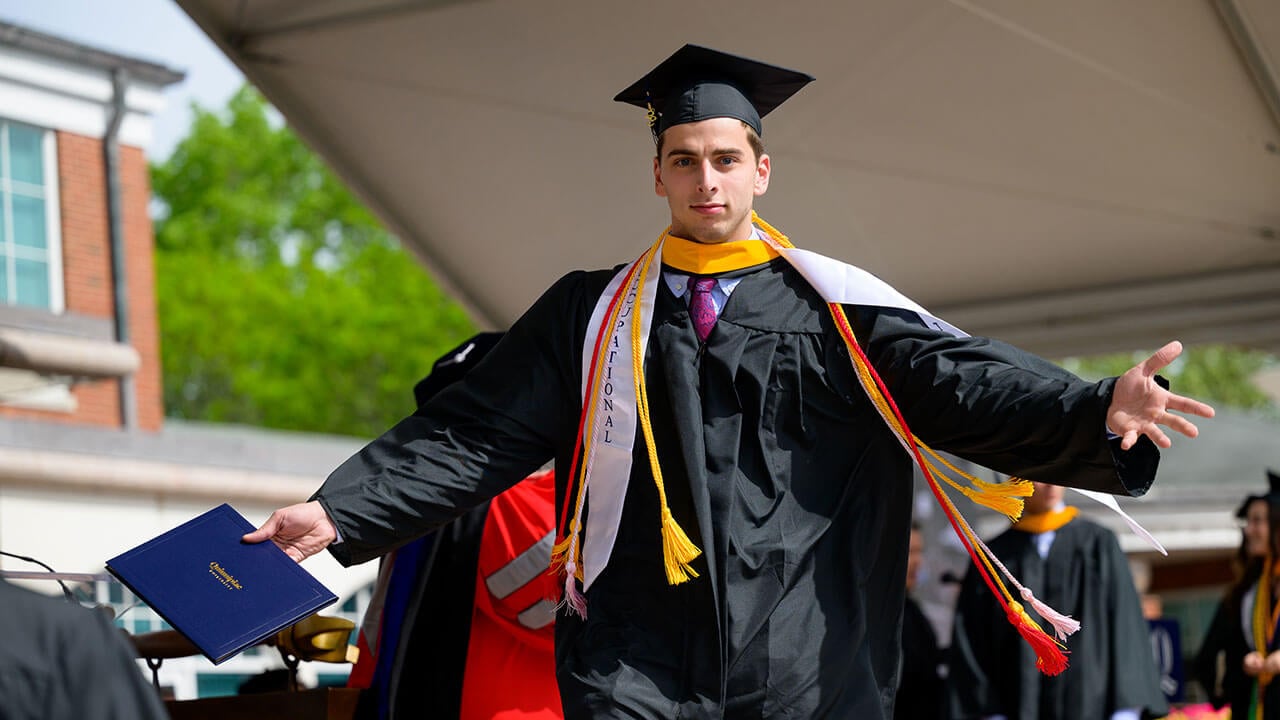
(1262, 631)
(677, 549)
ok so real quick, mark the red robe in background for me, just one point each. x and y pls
(464, 618)
(511, 663)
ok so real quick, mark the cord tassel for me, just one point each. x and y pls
(678, 551)
(1051, 658)
(573, 598)
(1010, 507)
(560, 555)
(1063, 625)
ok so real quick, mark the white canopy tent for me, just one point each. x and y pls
(1071, 177)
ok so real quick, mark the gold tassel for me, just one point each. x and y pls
(1003, 497)
(1010, 507)
(1013, 487)
(560, 557)
(560, 553)
(678, 551)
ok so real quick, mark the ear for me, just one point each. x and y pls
(762, 175)
(658, 187)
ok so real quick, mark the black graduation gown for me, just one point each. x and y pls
(775, 463)
(1219, 666)
(992, 670)
(920, 694)
(60, 661)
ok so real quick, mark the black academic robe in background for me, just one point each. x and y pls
(60, 661)
(920, 693)
(775, 463)
(431, 648)
(992, 670)
(1219, 665)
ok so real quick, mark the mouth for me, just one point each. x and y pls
(707, 208)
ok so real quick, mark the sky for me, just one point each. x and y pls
(157, 31)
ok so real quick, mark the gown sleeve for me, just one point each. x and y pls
(1001, 407)
(471, 441)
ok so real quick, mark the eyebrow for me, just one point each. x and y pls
(714, 153)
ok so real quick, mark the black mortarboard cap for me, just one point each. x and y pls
(453, 365)
(698, 83)
(1272, 495)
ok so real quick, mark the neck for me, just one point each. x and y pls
(744, 231)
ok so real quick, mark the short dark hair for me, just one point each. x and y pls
(753, 139)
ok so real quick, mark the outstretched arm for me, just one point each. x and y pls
(300, 530)
(1139, 405)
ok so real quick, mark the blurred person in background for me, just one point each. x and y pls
(1077, 568)
(920, 684)
(1229, 665)
(61, 661)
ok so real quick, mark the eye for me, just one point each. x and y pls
(683, 162)
(728, 160)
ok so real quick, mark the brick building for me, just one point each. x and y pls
(88, 465)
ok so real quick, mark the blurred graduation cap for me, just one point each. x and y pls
(453, 365)
(1272, 495)
(698, 83)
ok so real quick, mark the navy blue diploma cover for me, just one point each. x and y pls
(222, 594)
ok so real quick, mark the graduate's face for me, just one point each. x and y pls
(1257, 526)
(710, 177)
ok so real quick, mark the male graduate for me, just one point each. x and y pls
(733, 493)
(1077, 567)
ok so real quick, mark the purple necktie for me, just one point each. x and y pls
(701, 309)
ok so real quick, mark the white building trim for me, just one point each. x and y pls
(62, 95)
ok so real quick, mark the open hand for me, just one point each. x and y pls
(300, 530)
(1139, 406)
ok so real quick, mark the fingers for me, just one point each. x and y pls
(1177, 423)
(1189, 406)
(1151, 430)
(268, 529)
(1161, 358)
(299, 530)
(1158, 437)
(1129, 439)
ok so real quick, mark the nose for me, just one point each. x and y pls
(706, 177)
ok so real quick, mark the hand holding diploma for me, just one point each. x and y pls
(300, 530)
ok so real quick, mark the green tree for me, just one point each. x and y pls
(1217, 374)
(283, 302)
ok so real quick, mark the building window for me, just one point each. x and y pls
(30, 238)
